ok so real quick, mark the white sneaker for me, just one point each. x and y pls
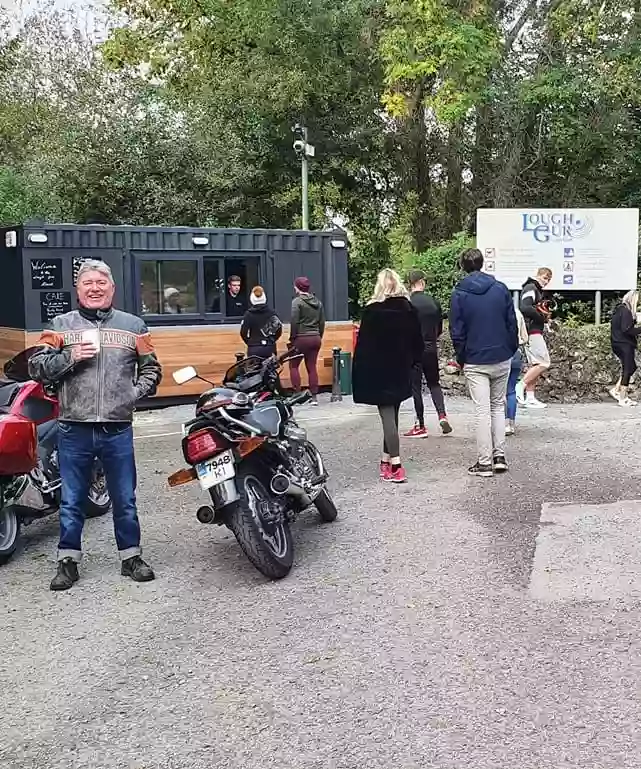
(614, 393)
(627, 402)
(533, 403)
(520, 392)
(509, 430)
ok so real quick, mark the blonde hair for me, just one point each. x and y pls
(388, 284)
(544, 271)
(631, 301)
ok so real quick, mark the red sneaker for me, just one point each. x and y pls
(446, 427)
(416, 432)
(396, 476)
(386, 469)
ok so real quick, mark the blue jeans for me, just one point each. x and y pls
(79, 444)
(515, 373)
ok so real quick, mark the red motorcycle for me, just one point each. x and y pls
(30, 483)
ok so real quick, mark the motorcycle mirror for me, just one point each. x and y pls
(183, 375)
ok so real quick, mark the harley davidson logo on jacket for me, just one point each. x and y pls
(108, 338)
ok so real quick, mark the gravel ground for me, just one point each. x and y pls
(406, 636)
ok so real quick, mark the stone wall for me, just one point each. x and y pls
(583, 366)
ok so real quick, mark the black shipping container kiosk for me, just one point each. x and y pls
(178, 279)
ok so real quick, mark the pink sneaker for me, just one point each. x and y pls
(396, 476)
(416, 432)
(444, 422)
(386, 469)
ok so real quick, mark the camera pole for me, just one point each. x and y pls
(305, 182)
(304, 150)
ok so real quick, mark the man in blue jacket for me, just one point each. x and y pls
(484, 333)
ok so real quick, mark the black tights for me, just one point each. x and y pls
(389, 418)
(626, 354)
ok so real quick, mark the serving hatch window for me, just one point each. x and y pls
(169, 287)
(215, 288)
(214, 284)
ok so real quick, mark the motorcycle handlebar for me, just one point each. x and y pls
(289, 355)
(284, 358)
(299, 398)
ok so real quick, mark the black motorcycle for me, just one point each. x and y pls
(27, 497)
(256, 463)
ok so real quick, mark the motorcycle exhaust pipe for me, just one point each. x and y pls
(282, 485)
(206, 514)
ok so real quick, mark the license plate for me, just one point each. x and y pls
(216, 470)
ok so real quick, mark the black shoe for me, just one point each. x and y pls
(500, 465)
(482, 471)
(66, 575)
(137, 569)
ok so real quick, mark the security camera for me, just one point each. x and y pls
(299, 145)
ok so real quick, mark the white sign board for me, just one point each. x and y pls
(593, 249)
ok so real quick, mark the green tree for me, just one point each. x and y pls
(256, 68)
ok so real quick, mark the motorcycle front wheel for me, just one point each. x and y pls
(265, 538)
(9, 534)
(98, 501)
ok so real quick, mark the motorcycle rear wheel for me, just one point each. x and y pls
(9, 534)
(269, 546)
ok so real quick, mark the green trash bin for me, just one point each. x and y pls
(346, 373)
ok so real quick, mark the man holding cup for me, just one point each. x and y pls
(102, 362)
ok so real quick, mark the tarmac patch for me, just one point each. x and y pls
(588, 553)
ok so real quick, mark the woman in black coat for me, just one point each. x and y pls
(261, 327)
(389, 345)
(623, 336)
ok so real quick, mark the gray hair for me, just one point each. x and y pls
(95, 265)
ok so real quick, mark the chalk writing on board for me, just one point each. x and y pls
(54, 303)
(77, 263)
(46, 273)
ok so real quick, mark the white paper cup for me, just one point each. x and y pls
(93, 337)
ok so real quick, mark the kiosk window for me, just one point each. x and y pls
(169, 287)
(214, 284)
(240, 276)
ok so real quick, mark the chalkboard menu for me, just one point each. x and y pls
(77, 262)
(54, 303)
(46, 273)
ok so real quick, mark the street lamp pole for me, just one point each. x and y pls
(304, 165)
(304, 150)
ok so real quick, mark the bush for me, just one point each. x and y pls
(440, 264)
(583, 366)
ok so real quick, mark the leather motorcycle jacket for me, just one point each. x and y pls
(104, 388)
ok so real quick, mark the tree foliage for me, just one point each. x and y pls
(420, 112)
